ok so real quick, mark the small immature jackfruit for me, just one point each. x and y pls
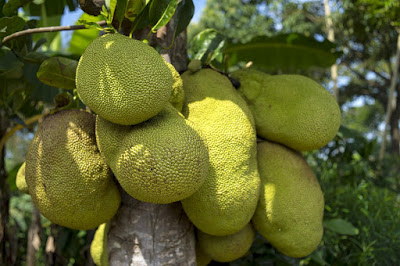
(202, 259)
(162, 160)
(291, 206)
(228, 198)
(290, 109)
(98, 247)
(227, 248)
(67, 177)
(20, 180)
(177, 95)
(123, 80)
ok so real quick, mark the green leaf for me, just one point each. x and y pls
(120, 10)
(286, 52)
(341, 227)
(134, 8)
(184, 14)
(12, 177)
(142, 20)
(11, 7)
(10, 25)
(10, 66)
(41, 92)
(19, 91)
(112, 6)
(207, 45)
(161, 12)
(81, 38)
(58, 72)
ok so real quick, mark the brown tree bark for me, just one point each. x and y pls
(394, 128)
(5, 246)
(34, 233)
(154, 234)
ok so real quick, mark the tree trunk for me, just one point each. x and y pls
(331, 37)
(394, 128)
(154, 234)
(5, 252)
(33, 238)
(391, 103)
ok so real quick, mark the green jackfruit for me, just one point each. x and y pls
(98, 247)
(228, 198)
(177, 95)
(202, 259)
(291, 207)
(20, 180)
(227, 248)
(67, 177)
(290, 109)
(162, 160)
(123, 80)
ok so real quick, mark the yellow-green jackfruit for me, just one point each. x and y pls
(202, 259)
(177, 95)
(162, 160)
(290, 109)
(123, 80)
(67, 177)
(228, 198)
(20, 180)
(227, 248)
(98, 247)
(290, 211)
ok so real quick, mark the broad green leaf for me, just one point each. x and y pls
(10, 25)
(81, 38)
(161, 12)
(11, 7)
(287, 52)
(51, 8)
(142, 20)
(19, 92)
(341, 226)
(207, 45)
(120, 10)
(184, 14)
(10, 66)
(112, 6)
(58, 72)
(134, 8)
(35, 57)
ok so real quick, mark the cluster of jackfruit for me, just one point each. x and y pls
(165, 137)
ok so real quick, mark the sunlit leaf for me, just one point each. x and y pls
(207, 45)
(81, 38)
(283, 52)
(161, 12)
(341, 226)
(58, 72)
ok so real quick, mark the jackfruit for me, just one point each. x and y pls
(123, 80)
(20, 180)
(67, 177)
(177, 95)
(290, 109)
(227, 248)
(228, 198)
(291, 207)
(162, 160)
(202, 259)
(98, 247)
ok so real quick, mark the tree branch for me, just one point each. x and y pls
(47, 29)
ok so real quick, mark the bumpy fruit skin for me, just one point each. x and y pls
(290, 109)
(98, 247)
(228, 198)
(227, 248)
(290, 211)
(123, 80)
(162, 160)
(177, 95)
(20, 180)
(67, 177)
